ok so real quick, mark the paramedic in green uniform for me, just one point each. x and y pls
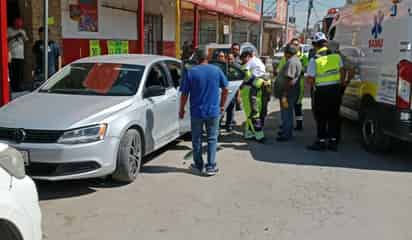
(252, 95)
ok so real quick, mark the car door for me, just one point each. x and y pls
(175, 70)
(235, 77)
(161, 124)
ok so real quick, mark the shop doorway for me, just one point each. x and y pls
(13, 11)
(153, 31)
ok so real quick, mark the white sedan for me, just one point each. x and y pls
(99, 116)
(20, 216)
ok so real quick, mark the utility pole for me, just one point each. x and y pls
(308, 20)
(287, 22)
(262, 27)
(46, 39)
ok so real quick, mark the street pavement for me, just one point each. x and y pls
(264, 191)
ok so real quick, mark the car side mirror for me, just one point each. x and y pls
(154, 91)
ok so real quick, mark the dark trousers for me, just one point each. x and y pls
(230, 112)
(16, 74)
(326, 109)
(299, 111)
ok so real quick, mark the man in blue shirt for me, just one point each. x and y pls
(203, 83)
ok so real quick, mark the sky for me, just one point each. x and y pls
(320, 9)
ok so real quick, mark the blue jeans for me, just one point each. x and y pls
(212, 129)
(287, 115)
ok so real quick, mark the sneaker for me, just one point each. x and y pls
(282, 139)
(333, 146)
(299, 126)
(195, 169)
(211, 171)
(229, 129)
(319, 146)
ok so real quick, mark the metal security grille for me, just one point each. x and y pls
(153, 29)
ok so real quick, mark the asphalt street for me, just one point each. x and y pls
(263, 191)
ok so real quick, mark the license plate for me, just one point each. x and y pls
(26, 157)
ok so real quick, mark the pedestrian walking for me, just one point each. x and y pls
(202, 84)
(287, 90)
(221, 57)
(230, 110)
(16, 37)
(54, 57)
(298, 108)
(326, 76)
(252, 95)
(235, 50)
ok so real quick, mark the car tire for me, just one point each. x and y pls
(374, 139)
(129, 157)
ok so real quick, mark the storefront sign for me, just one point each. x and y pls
(117, 47)
(94, 48)
(249, 9)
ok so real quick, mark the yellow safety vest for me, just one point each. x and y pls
(257, 82)
(327, 69)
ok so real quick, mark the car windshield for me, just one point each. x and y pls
(105, 79)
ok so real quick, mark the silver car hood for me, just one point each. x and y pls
(59, 112)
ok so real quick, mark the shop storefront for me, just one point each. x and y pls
(220, 21)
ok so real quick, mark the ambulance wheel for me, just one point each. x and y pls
(373, 138)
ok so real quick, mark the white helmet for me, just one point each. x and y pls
(318, 37)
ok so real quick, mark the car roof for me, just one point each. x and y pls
(134, 59)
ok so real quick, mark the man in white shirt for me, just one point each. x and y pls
(16, 37)
(256, 66)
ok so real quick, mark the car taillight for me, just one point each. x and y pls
(403, 98)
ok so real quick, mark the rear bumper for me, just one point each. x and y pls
(396, 123)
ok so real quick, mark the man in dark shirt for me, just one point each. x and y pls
(54, 57)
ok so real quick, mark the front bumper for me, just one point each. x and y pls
(396, 123)
(54, 162)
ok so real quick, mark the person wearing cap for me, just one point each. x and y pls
(325, 74)
(202, 84)
(252, 95)
(16, 36)
(54, 57)
(298, 105)
(287, 90)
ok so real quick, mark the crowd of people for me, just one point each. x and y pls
(17, 37)
(322, 71)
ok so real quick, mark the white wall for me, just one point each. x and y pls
(118, 24)
(166, 8)
(113, 23)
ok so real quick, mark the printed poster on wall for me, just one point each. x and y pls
(86, 14)
(117, 47)
(94, 48)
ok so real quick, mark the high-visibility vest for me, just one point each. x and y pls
(327, 68)
(252, 81)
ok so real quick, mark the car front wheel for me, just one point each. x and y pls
(129, 157)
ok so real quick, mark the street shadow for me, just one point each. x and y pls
(157, 169)
(75, 188)
(64, 189)
(350, 155)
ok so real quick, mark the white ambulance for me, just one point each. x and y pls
(376, 37)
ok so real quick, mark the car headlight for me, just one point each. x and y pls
(84, 135)
(12, 161)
